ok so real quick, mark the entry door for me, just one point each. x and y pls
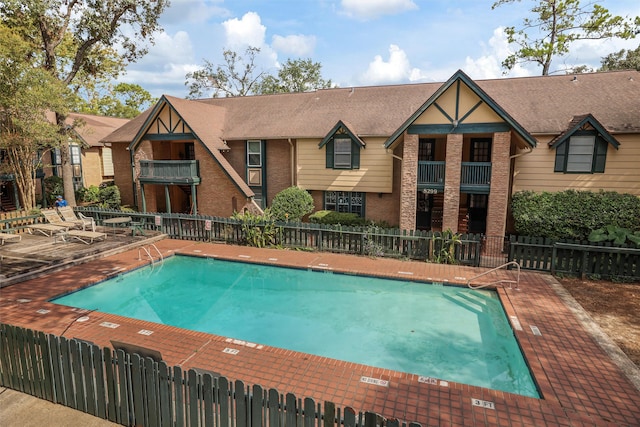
(478, 213)
(423, 211)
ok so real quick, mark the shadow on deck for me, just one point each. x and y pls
(37, 254)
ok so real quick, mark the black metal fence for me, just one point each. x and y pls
(128, 389)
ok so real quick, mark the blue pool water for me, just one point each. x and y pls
(444, 332)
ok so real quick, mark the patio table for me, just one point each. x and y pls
(116, 222)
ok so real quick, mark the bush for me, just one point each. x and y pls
(109, 197)
(342, 218)
(291, 204)
(88, 195)
(53, 186)
(573, 214)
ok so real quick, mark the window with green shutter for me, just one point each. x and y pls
(342, 153)
(581, 153)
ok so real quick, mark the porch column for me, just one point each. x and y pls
(167, 198)
(144, 199)
(453, 169)
(409, 182)
(194, 205)
(500, 182)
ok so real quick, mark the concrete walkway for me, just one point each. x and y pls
(22, 410)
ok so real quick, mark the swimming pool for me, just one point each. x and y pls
(445, 332)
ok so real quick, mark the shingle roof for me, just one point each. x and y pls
(542, 105)
(95, 128)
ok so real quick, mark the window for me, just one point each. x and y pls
(426, 149)
(345, 201)
(581, 154)
(343, 153)
(254, 154)
(481, 149)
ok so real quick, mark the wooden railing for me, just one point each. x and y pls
(131, 390)
(475, 174)
(431, 174)
(170, 171)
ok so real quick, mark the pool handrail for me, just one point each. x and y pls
(510, 282)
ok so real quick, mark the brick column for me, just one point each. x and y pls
(453, 169)
(409, 182)
(500, 179)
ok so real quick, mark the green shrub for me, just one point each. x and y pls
(342, 218)
(291, 204)
(109, 197)
(257, 230)
(88, 195)
(53, 186)
(573, 214)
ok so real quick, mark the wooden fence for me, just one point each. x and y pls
(127, 389)
(576, 258)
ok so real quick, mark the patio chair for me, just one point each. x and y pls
(53, 218)
(87, 237)
(47, 229)
(9, 237)
(68, 215)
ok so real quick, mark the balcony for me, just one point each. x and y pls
(169, 172)
(431, 175)
(475, 176)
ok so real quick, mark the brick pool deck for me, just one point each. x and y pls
(579, 382)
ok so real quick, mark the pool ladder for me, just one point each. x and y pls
(148, 252)
(510, 282)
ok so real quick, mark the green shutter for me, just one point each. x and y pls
(600, 154)
(329, 148)
(355, 155)
(561, 157)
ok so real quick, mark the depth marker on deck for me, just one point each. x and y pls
(374, 381)
(145, 332)
(43, 311)
(109, 325)
(231, 351)
(516, 323)
(408, 273)
(535, 330)
(483, 403)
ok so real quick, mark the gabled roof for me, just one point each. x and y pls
(578, 123)
(206, 122)
(347, 130)
(541, 105)
(460, 76)
(95, 128)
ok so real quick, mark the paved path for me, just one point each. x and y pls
(22, 410)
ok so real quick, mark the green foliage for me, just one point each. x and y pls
(444, 247)
(125, 100)
(88, 195)
(617, 235)
(257, 230)
(109, 197)
(556, 24)
(573, 214)
(333, 217)
(291, 204)
(52, 188)
(296, 75)
(622, 60)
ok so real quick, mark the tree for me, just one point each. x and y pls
(68, 35)
(556, 24)
(124, 100)
(622, 60)
(27, 92)
(299, 75)
(236, 77)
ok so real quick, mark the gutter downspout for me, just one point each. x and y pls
(386, 150)
(133, 179)
(292, 160)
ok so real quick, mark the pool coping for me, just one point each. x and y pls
(594, 392)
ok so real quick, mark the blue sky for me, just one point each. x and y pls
(358, 42)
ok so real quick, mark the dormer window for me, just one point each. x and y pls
(581, 154)
(342, 148)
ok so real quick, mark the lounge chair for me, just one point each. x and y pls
(53, 218)
(47, 229)
(68, 215)
(87, 237)
(137, 349)
(9, 237)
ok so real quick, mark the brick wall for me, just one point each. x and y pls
(122, 172)
(500, 177)
(409, 182)
(278, 158)
(452, 182)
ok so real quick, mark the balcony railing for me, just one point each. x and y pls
(169, 172)
(431, 174)
(475, 176)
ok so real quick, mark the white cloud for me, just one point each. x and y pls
(371, 9)
(396, 70)
(247, 31)
(192, 11)
(297, 45)
(489, 65)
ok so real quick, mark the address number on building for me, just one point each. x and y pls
(429, 191)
